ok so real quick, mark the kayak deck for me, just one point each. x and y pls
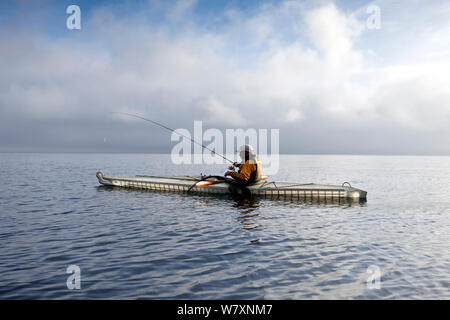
(266, 189)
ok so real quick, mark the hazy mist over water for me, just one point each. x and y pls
(138, 244)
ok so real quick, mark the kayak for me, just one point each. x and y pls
(219, 185)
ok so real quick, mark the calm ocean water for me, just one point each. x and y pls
(140, 244)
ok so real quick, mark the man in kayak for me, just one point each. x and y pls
(249, 171)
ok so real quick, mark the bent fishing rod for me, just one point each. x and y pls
(172, 130)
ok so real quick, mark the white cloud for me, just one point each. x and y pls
(333, 32)
(181, 8)
(218, 113)
(248, 72)
(293, 115)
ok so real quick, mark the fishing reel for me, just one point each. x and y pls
(234, 166)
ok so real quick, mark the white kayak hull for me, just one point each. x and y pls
(265, 189)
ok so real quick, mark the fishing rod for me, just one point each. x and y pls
(172, 130)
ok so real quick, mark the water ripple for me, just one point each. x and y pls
(133, 244)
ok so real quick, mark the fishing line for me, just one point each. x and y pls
(172, 130)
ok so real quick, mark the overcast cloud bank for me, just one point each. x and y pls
(330, 84)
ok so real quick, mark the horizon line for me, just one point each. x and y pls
(167, 153)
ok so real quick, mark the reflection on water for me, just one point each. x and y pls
(249, 216)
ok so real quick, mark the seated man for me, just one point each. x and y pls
(250, 170)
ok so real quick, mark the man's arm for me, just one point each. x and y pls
(244, 172)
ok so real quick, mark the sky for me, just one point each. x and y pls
(321, 72)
